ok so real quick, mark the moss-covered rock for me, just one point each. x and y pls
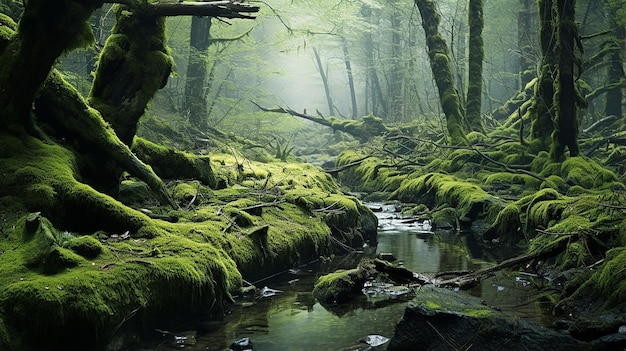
(437, 312)
(339, 286)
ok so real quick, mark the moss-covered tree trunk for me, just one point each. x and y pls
(395, 80)
(374, 92)
(442, 72)
(46, 30)
(475, 75)
(134, 64)
(195, 104)
(615, 77)
(526, 39)
(542, 112)
(565, 135)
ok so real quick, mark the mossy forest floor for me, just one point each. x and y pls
(569, 213)
(66, 286)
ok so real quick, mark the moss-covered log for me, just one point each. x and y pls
(364, 130)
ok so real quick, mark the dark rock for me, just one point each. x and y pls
(386, 256)
(610, 342)
(438, 318)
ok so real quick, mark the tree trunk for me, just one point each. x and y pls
(542, 106)
(195, 104)
(320, 67)
(442, 72)
(475, 77)
(566, 127)
(122, 87)
(29, 56)
(375, 90)
(613, 104)
(525, 41)
(395, 77)
(350, 79)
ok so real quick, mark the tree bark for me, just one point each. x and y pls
(542, 108)
(195, 104)
(525, 41)
(475, 77)
(350, 78)
(323, 75)
(566, 127)
(30, 55)
(442, 72)
(134, 64)
(614, 96)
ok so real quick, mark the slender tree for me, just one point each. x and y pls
(194, 103)
(525, 41)
(323, 74)
(442, 72)
(542, 106)
(374, 91)
(346, 58)
(475, 62)
(616, 45)
(565, 134)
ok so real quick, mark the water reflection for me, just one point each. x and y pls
(293, 320)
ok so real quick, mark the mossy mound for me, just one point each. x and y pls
(434, 189)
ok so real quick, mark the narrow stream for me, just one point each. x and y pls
(293, 320)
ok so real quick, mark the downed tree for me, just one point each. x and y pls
(364, 130)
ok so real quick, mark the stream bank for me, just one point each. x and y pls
(71, 289)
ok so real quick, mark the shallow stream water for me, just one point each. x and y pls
(293, 320)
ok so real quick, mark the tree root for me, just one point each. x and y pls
(66, 111)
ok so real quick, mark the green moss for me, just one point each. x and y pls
(337, 287)
(86, 246)
(507, 179)
(508, 224)
(586, 173)
(555, 182)
(608, 284)
(479, 313)
(172, 163)
(433, 305)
